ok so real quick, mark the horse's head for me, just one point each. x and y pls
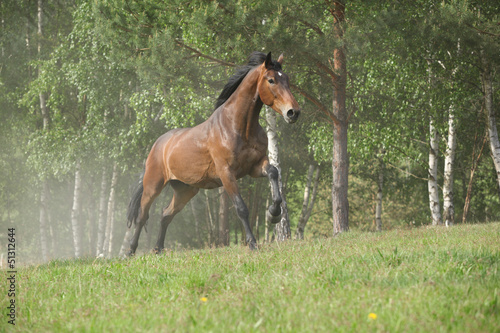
(274, 90)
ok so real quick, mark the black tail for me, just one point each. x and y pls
(135, 204)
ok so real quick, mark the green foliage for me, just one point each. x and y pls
(407, 277)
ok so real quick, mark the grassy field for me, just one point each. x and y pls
(426, 279)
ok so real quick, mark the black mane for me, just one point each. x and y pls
(256, 59)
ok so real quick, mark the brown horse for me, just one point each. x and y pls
(227, 146)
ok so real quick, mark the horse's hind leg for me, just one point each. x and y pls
(182, 194)
(152, 188)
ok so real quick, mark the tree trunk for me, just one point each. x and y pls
(196, 223)
(257, 235)
(266, 224)
(45, 117)
(340, 161)
(308, 202)
(108, 242)
(433, 168)
(210, 221)
(91, 215)
(43, 104)
(449, 159)
(492, 123)
(223, 218)
(282, 228)
(101, 224)
(75, 212)
(475, 164)
(380, 183)
(432, 183)
(44, 220)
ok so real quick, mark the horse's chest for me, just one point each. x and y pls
(248, 156)
(252, 154)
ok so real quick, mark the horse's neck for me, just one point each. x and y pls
(243, 107)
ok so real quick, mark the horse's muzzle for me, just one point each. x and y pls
(292, 115)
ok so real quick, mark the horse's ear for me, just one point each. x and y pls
(280, 59)
(268, 63)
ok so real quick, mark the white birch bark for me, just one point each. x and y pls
(43, 219)
(75, 212)
(101, 224)
(210, 221)
(433, 168)
(282, 228)
(432, 183)
(492, 123)
(43, 104)
(451, 144)
(108, 241)
(449, 160)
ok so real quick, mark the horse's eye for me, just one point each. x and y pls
(271, 81)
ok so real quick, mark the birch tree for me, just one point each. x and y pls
(491, 114)
(449, 156)
(108, 242)
(101, 222)
(432, 183)
(75, 212)
(45, 120)
(451, 144)
(432, 174)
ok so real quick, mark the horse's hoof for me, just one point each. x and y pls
(272, 218)
(157, 250)
(274, 210)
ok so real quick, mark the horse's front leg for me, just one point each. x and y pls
(229, 182)
(266, 169)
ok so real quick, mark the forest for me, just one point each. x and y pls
(397, 130)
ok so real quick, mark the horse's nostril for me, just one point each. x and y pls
(293, 114)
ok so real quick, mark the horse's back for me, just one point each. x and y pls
(184, 156)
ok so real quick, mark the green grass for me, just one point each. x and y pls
(427, 280)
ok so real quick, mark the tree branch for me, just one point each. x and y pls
(202, 55)
(320, 105)
(406, 172)
(482, 31)
(322, 66)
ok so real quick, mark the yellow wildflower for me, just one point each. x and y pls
(203, 299)
(372, 316)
